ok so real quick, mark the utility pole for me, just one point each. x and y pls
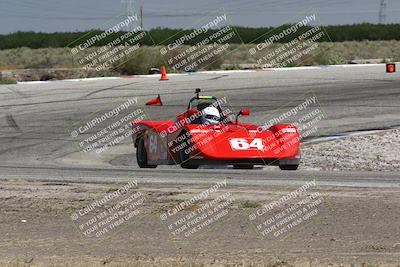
(141, 18)
(382, 12)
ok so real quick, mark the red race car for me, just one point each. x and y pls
(205, 135)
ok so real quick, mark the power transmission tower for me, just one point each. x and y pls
(130, 12)
(382, 11)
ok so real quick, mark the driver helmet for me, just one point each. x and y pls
(211, 115)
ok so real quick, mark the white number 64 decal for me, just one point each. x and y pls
(246, 144)
(153, 144)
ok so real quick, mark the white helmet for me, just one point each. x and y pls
(211, 115)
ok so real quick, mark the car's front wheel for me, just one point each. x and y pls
(184, 157)
(141, 155)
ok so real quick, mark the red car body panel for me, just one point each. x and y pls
(237, 144)
(190, 143)
(223, 143)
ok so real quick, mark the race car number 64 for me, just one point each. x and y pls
(246, 144)
(153, 144)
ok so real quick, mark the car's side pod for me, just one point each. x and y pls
(287, 136)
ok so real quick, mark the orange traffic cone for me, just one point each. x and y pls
(163, 74)
(155, 102)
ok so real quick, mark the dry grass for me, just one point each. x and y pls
(140, 61)
(331, 53)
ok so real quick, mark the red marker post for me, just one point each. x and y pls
(390, 68)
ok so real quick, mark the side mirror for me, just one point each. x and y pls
(243, 112)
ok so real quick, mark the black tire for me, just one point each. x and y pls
(141, 155)
(243, 166)
(288, 167)
(184, 158)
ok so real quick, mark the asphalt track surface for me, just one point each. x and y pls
(37, 119)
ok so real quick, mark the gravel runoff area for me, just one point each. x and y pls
(375, 152)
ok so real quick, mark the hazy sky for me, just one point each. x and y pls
(73, 15)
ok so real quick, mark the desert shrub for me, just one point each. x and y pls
(139, 62)
(7, 81)
(214, 64)
(148, 57)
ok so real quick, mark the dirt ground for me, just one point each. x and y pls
(375, 152)
(352, 226)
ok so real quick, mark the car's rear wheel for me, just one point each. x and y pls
(141, 155)
(184, 157)
(243, 166)
(288, 167)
